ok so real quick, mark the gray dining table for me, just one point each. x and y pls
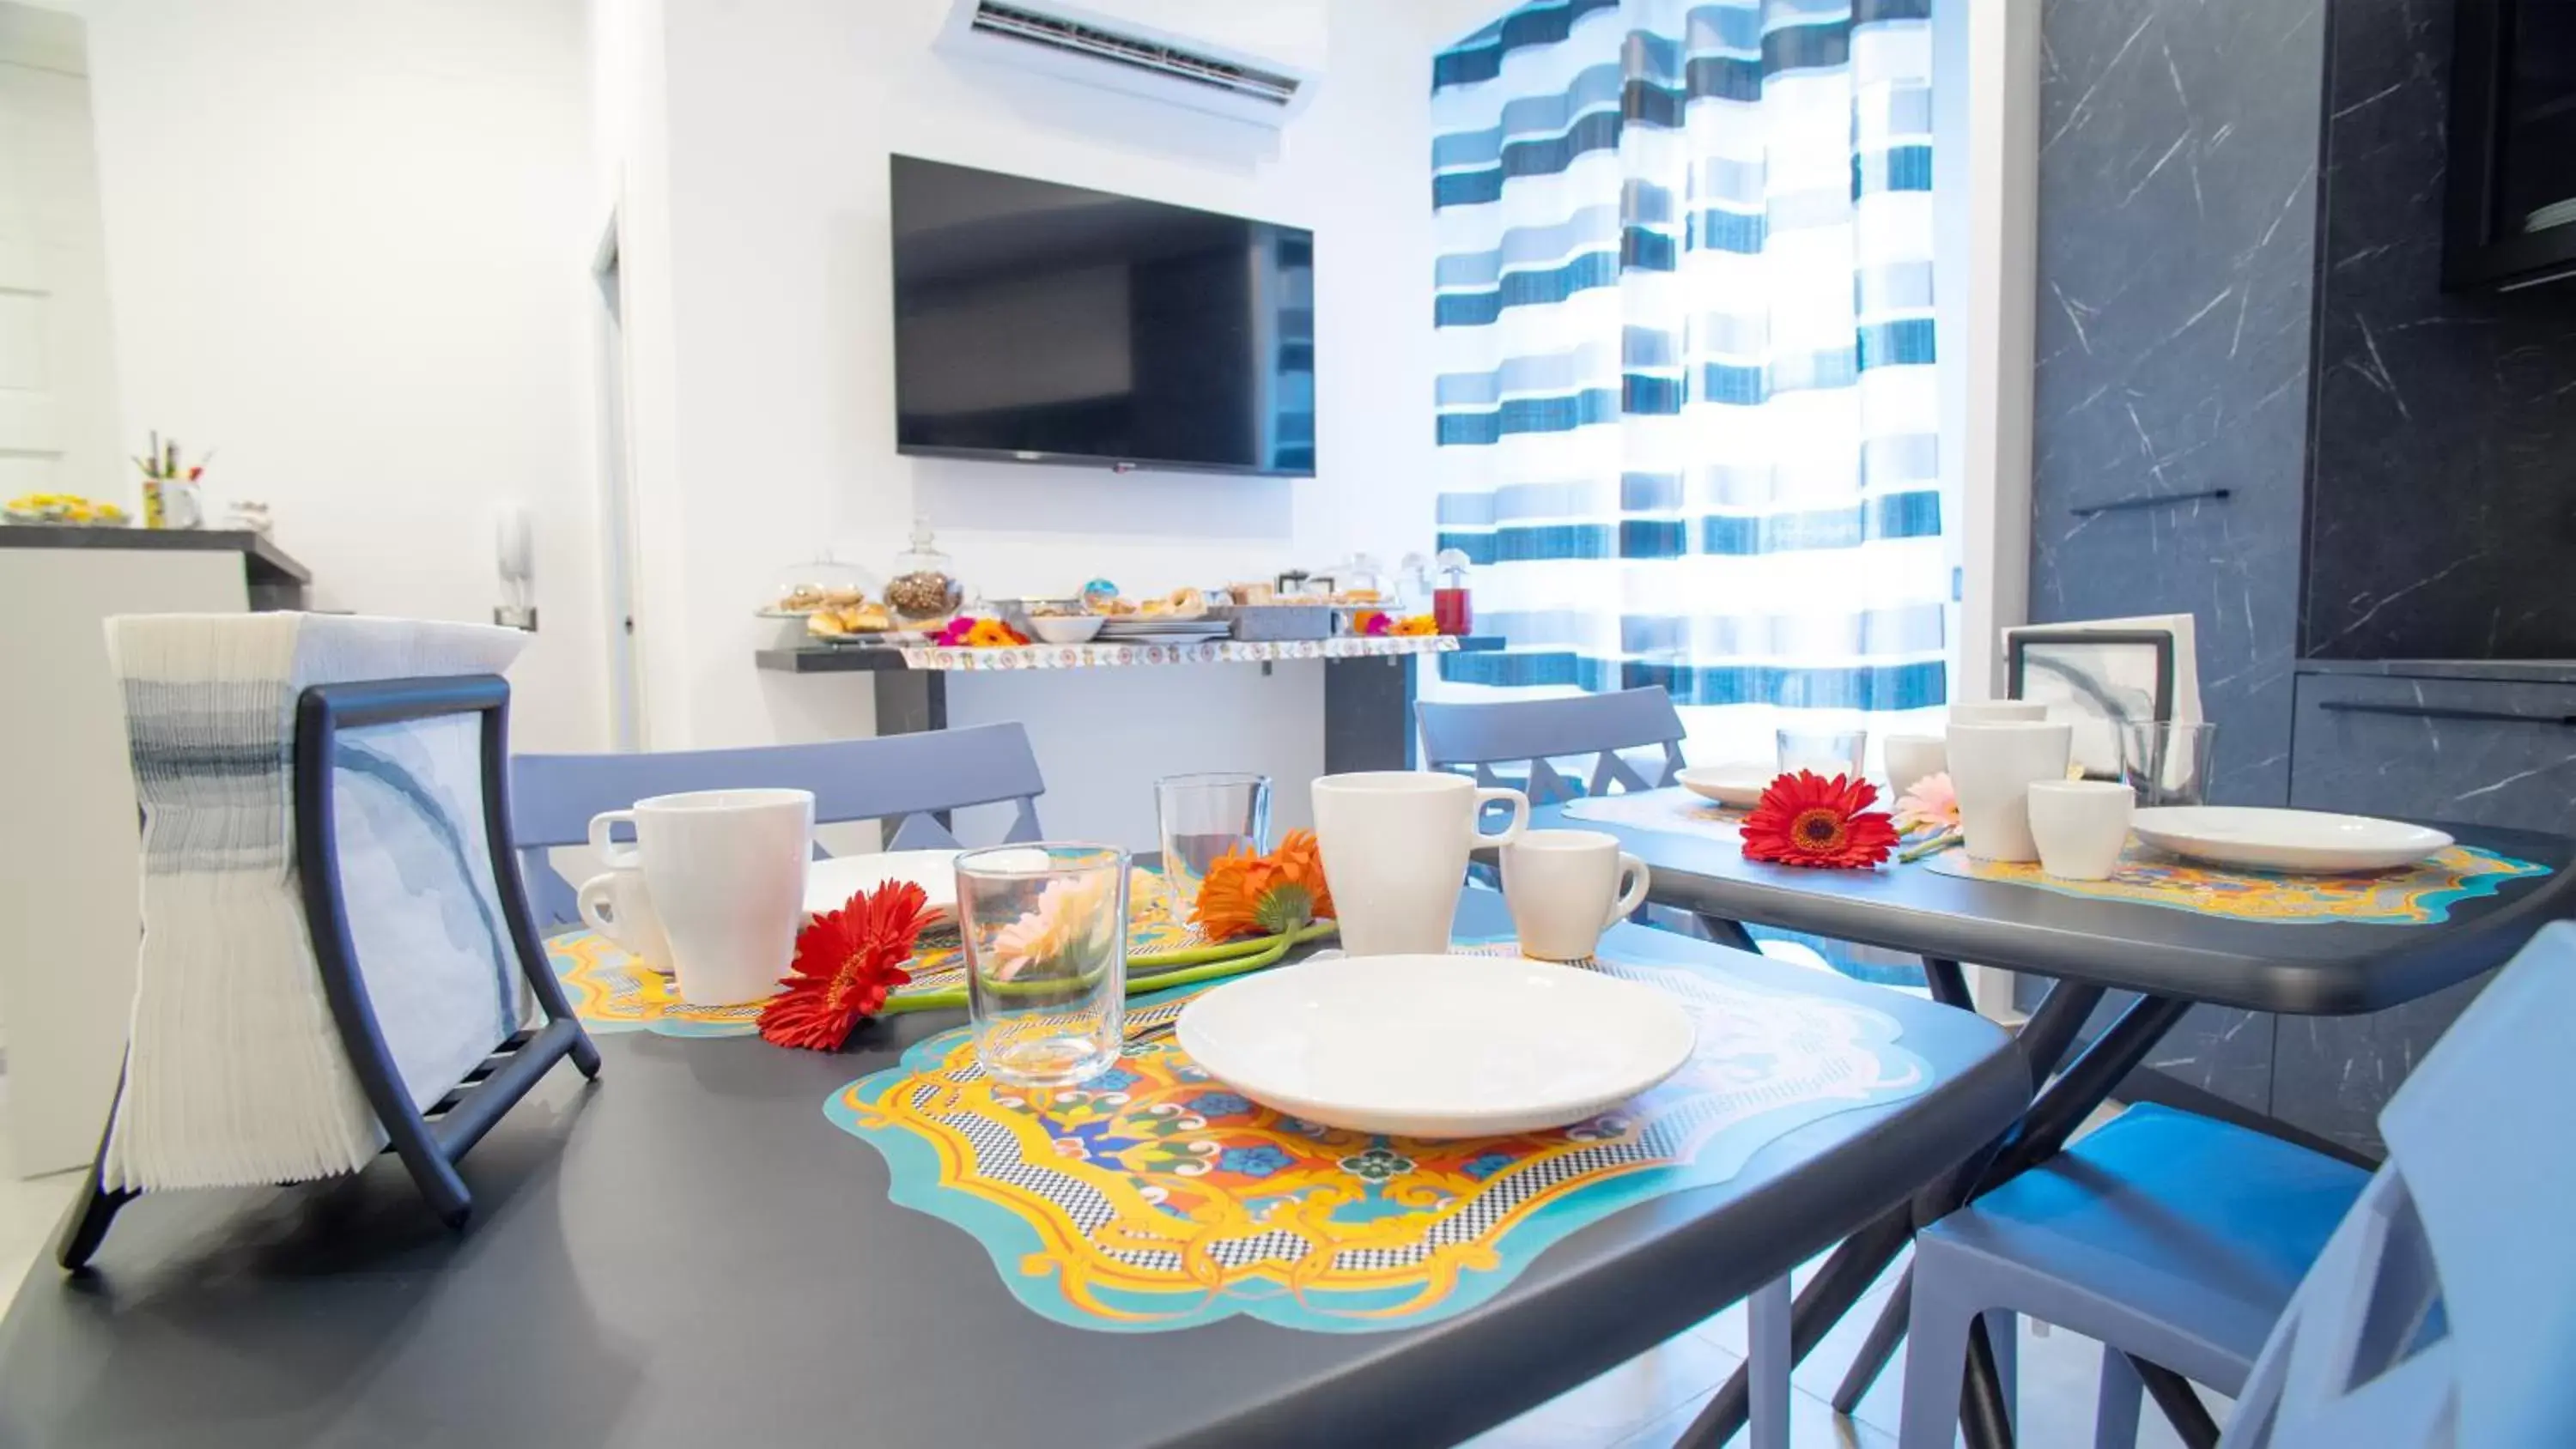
(2087, 947)
(686, 1252)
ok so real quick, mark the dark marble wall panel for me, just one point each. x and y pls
(2177, 221)
(2333, 1074)
(2442, 516)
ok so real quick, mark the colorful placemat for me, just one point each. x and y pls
(611, 991)
(1154, 1198)
(2418, 895)
(1671, 808)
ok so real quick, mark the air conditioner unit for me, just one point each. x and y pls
(1252, 60)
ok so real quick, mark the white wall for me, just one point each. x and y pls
(348, 247)
(780, 118)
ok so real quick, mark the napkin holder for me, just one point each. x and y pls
(431, 1140)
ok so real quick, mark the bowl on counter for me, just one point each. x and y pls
(1066, 628)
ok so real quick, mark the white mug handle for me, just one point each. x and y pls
(615, 854)
(1509, 833)
(597, 901)
(1633, 871)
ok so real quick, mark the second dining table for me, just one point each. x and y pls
(2174, 953)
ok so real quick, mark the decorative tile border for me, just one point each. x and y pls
(1126, 652)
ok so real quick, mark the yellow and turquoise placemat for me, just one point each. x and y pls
(610, 991)
(2417, 895)
(1671, 808)
(1152, 1197)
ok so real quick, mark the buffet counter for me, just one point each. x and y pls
(1368, 681)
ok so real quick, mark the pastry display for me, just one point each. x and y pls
(831, 621)
(818, 583)
(1178, 604)
(925, 588)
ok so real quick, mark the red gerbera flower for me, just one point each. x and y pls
(846, 962)
(1805, 819)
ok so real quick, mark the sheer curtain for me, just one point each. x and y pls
(1687, 408)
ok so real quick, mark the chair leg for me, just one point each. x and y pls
(2003, 1331)
(2116, 1407)
(1936, 1362)
(1767, 1328)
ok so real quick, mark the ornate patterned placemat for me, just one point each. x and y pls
(1671, 808)
(2418, 895)
(1154, 1198)
(610, 991)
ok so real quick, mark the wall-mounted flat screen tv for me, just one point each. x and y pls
(1051, 324)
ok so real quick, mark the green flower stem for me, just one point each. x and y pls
(1179, 968)
(1162, 963)
(1934, 846)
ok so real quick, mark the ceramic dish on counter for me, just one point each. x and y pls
(1066, 629)
(2301, 842)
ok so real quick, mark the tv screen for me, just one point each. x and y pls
(1048, 323)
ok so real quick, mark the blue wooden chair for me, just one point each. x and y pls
(1533, 733)
(2180, 1243)
(2443, 1309)
(912, 780)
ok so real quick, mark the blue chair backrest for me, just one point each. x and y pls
(902, 778)
(1529, 732)
(2443, 1310)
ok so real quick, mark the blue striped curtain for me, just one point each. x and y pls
(1687, 407)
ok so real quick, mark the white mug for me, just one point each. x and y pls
(1998, 711)
(1910, 758)
(2080, 826)
(1395, 846)
(1565, 888)
(726, 869)
(617, 904)
(1993, 766)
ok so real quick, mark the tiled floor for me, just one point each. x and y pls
(1642, 1404)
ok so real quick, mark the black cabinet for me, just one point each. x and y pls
(2511, 216)
(2498, 750)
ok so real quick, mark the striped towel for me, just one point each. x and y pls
(234, 1071)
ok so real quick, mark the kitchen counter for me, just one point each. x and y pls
(275, 579)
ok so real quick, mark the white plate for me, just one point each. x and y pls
(2305, 841)
(1437, 1046)
(1740, 784)
(829, 884)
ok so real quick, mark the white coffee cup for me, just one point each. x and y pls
(1565, 887)
(1998, 711)
(2080, 826)
(726, 869)
(1993, 766)
(619, 905)
(1910, 758)
(1395, 846)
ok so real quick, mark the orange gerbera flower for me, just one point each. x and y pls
(1805, 819)
(1264, 895)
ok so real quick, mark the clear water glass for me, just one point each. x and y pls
(2165, 763)
(1826, 752)
(1203, 817)
(1045, 929)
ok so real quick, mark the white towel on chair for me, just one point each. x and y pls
(234, 1070)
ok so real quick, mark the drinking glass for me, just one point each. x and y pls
(1203, 817)
(1827, 752)
(1045, 928)
(2167, 764)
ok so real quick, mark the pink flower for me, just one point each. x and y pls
(1070, 920)
(1932, 804)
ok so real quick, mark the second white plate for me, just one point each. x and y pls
(1437, 1046)
(829, 884)
(2310, 842)
(1739, 785)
